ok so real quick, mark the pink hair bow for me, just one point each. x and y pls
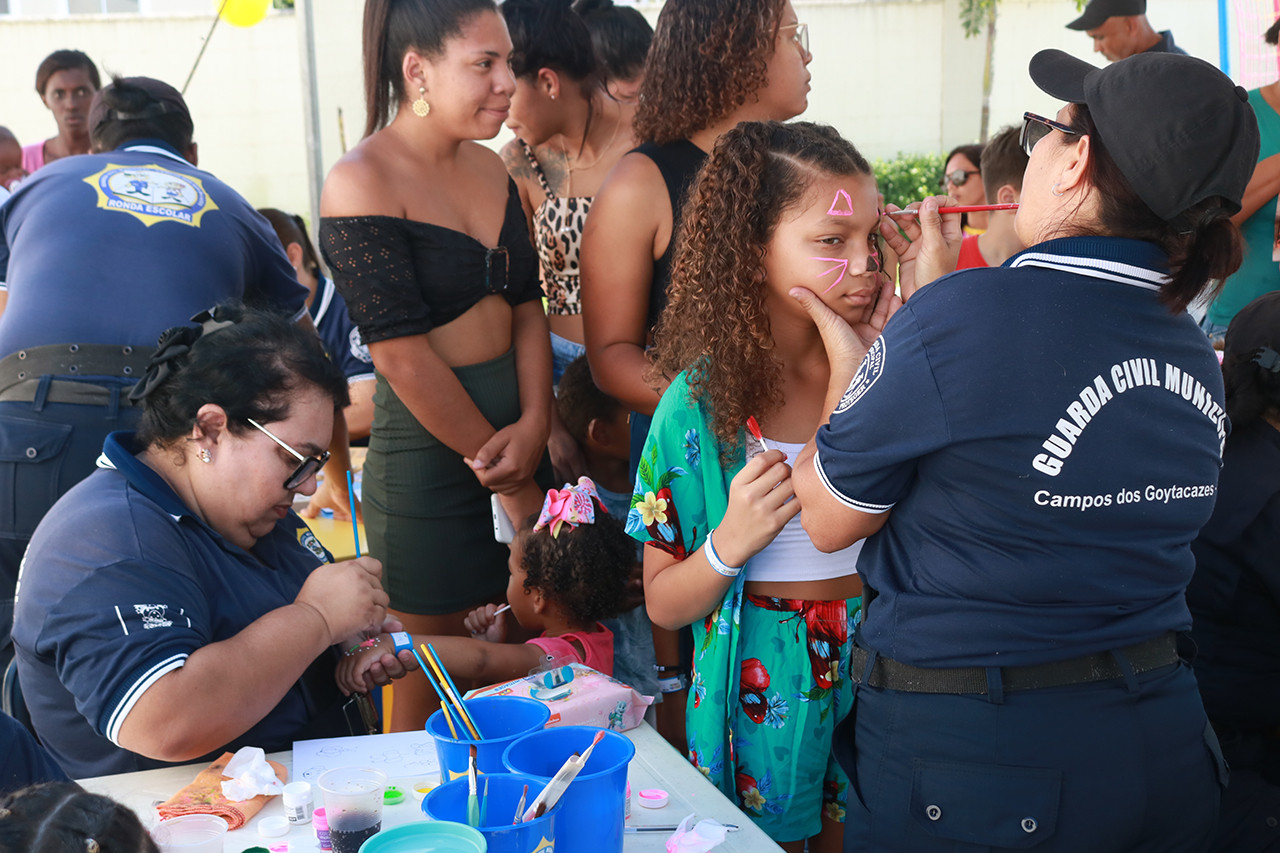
(572, 505)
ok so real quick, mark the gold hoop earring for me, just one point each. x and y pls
(420, 106)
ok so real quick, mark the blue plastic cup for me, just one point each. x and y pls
(438, 837)
(501, 719)
(449, 802)
(591, 819)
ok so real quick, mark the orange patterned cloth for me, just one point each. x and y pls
(204, 796)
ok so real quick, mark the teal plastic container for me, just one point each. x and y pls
(427, 837)
(449, 802)
(592, 812)
(501, 719)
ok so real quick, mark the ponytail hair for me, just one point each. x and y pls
(715, 324)
(620, 36)
(1202, 243)
(1272, 35)
(394, 27)
(60, 816)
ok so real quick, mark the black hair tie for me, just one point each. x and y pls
(1267, 358)
(175, 344)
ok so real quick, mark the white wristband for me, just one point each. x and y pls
(713, 558)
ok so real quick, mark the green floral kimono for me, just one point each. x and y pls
(681, 492)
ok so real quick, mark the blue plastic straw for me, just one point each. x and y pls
(355, 527)
(449, 678)
(444, 700)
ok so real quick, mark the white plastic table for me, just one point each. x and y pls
(656, 765)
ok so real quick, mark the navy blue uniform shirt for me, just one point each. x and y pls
(340, 336)
(120, 584)
(1048, 436)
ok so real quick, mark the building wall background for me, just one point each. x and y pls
(892, 75)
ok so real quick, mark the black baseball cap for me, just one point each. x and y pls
(1099, 10)
(1178, 129)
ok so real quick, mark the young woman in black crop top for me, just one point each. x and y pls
(427, 240)
(699, 83)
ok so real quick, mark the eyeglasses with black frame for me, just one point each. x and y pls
(1035, 128)
(958, 177)
(308, 465)
(801, 37)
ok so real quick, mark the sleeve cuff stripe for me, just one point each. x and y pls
(302, 312)
(134, 693)
(361, 377)
(861, 506)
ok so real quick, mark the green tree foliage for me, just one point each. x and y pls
(909, 177)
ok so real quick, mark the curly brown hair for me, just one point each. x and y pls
(584, 570)
(715, 325)
(707, 58)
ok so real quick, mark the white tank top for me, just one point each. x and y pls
(791, 556)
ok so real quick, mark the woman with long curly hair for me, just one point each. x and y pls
(712, 64)
(778, 206)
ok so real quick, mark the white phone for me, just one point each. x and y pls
(503, 530)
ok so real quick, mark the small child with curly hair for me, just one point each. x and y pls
(569, 566)
(778, 210)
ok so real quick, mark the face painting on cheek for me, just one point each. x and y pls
(838, 266)
(836, 209)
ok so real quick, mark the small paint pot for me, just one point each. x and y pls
(653, 798)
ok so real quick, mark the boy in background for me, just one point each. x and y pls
(1003, 162)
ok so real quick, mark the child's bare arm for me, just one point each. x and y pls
(482, 661)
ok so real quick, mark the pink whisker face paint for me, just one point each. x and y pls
(838, 266)
(836, 209)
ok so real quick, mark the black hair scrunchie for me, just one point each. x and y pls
(174, 344)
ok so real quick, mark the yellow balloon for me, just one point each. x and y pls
(242, 13)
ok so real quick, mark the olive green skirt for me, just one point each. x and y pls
(426, 516)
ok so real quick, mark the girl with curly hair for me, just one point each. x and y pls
(712, 64)
(569, 569)
(778, 207)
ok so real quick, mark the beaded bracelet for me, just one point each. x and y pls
(709, 550)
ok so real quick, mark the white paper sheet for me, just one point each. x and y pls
(399, 755)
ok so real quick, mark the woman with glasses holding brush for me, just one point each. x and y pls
(1031, 450)
(173, 605)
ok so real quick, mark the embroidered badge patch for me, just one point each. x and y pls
(868, 372)
(308, 540)
(152, 194)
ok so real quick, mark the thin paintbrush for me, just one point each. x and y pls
(447, 695)
(455, 692)
(355, 527)
(473, 804)
(520, 805)
(444, 702)
(964, 208)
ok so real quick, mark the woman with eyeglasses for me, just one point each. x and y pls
(173, 605)
(1031, 450)
(962, 181)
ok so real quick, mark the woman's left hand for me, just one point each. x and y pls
(846, 343)
(332, 495)
(931, 246)
(508, 459)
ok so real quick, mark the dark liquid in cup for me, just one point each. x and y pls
(349, 831)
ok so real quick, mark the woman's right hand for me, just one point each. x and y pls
(760, 504)
(348, 596)
(931, 247)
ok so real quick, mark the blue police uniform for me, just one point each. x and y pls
(120, 584)
(340, 336)
(109, 250)
(1047, 435)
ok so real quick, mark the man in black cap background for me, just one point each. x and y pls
(1120, 29)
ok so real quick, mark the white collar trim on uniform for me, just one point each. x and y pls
(1094, 268)
(155, 149)
(326, 298)
(105, 462)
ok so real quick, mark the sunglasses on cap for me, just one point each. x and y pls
(958, 178)
(1035, 128)
(307, 465)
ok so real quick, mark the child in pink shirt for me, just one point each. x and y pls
(569, 569)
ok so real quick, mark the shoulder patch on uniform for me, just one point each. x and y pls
(308, 540)
(152, 194)
(868, 372)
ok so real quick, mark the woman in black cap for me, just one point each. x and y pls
(1235, 594)
(1031, 449)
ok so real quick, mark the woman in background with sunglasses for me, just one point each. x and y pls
(173, 605)
(1017, 681)
(962, 181)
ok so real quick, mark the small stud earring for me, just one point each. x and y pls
(420, 106)
(204, 456)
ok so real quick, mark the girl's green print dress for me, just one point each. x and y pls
(770, 676)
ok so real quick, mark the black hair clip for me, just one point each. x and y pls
(1267, 358)
(212, 319)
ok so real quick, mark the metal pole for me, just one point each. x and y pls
(310, 106)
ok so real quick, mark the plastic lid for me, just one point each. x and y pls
(653, 798)
(319, 820)
(392, 796)
(273, 827)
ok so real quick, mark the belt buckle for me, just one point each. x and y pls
(497, 265)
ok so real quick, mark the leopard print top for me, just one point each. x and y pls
(557, 228)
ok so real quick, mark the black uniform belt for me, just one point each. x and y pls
(21, 372)
(1103, 666)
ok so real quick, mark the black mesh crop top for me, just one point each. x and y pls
(403, 277)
